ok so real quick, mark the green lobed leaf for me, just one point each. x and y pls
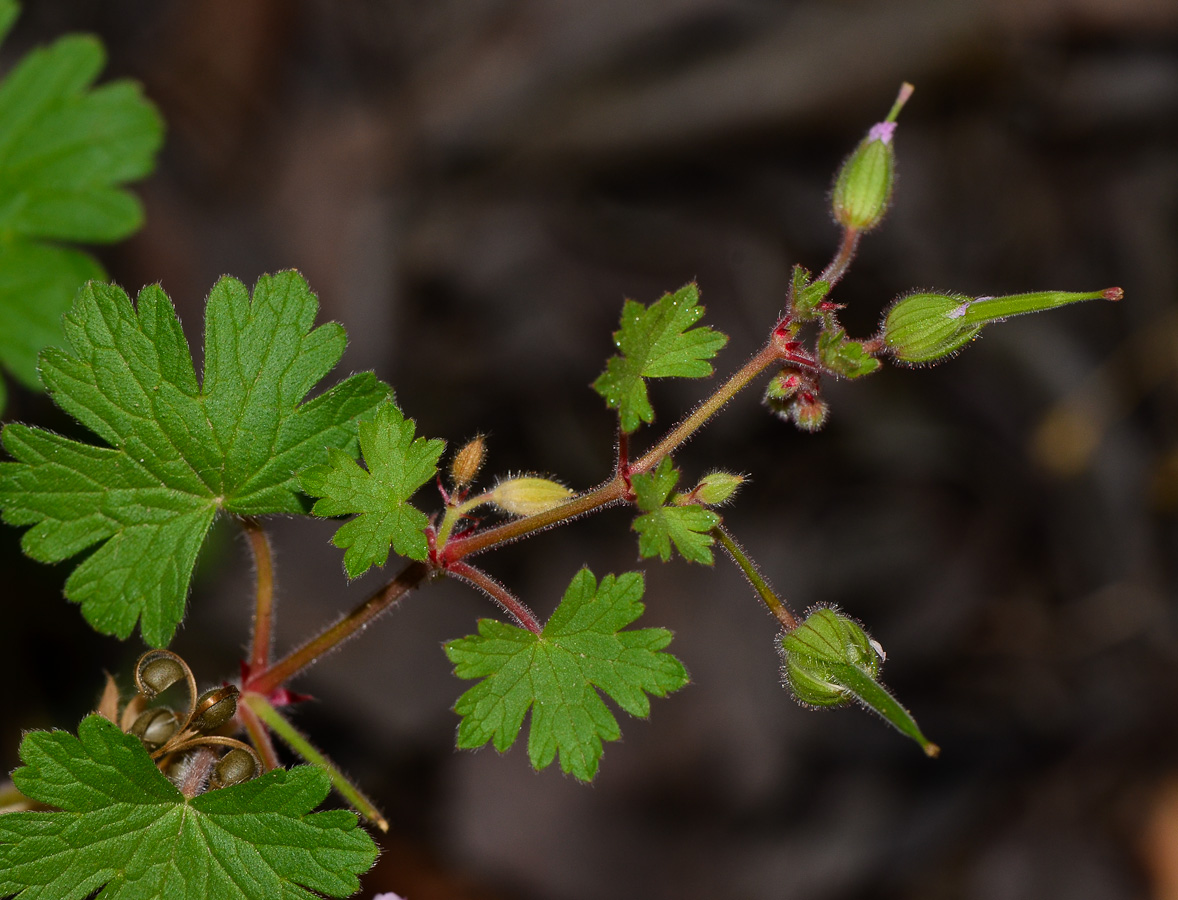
(177, 452)
(557, 674)
(398, 464)
(830, 661)
(122, 827)
(65, 147)
(659, 526)
(656, 342)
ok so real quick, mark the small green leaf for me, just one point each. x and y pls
(65, 148)
(557, 674)
(398, 464)
(177, 452)
(126, 830)
(656, 342)
(659, 526)
(807, 294)
(844, 357)
(830, 661)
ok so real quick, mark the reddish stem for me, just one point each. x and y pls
(837, 268)
(497, 592)
(280, 672)
(263, 634)
(259, 737)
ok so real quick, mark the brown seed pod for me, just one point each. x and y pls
(155, 727)
(159, 674)
(234, 767)
(214, 708)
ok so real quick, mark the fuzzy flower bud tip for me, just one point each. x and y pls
(467, 462)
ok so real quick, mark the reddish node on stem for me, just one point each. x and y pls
(1113, 293)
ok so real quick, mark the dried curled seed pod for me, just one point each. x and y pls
(158, 674)
(155, 727)
(214, 708)
(234, 767)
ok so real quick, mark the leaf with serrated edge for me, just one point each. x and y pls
(121, 826)
(556, 674)
(65, 147)
(398, 464)
(659, 526)
(178, 452)
(656, 342)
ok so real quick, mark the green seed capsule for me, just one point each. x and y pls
(234, 767)
(814, 650)
(923, 328)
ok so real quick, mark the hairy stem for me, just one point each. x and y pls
(838, 266)
(265, 711)
(769, 354)
(297, 660)
(610, 493)
(259, 737)
(497, 592)
(760, 585)
(263, 629)
(617, 488)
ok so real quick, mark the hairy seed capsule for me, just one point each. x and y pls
(815, 652)
(234, 767)
(159, 674)
(215, 707)
(155, 727)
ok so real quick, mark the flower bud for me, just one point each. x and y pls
(467, 462)
(716, 488)
(527, 495)
(785, 384)
(809, 412)
(863, 187)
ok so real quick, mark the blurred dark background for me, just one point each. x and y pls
(473, 188)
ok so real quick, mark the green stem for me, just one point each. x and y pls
(304, 748)
(454, 513)
(760, 585)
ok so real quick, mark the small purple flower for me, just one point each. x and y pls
(882, 131)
